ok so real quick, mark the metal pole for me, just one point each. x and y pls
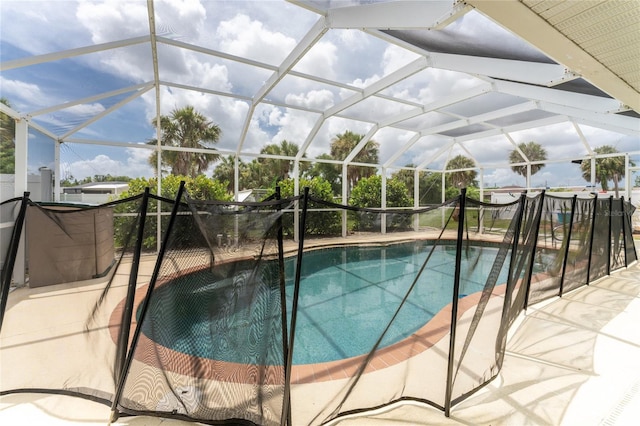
(454, 303)
(296, 293)
(286, 403)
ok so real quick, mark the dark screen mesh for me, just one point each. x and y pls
(9, 213)
(555, 223)
(211, 346)
(600, 245)
(478, 340)
(617, 235)
(287, 311)
(373, 305)
(70, 305)
(631, 254)
(579, 239)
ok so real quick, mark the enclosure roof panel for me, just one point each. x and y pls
(402, 73)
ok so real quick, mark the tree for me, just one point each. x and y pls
(199, 188)
(367, 193)
(7, 141)
(186, 128)
(320, 221)
(343, 144)
(277, 168)
(328, 171)
(534, 152)
(463, 178)
(225, 172)
(607, 169)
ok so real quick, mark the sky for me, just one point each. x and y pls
(262, 31)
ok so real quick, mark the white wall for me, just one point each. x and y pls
(7, 187)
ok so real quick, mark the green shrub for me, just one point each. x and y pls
(199, 188)
(321, 223)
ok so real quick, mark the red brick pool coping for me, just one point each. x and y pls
(163, 358)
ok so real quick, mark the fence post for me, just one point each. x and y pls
(286, 404)
(454, 303)
(294, 306)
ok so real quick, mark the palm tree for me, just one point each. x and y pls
(607, 169)
(464, 178)
(534, 152)
(343, 144)
(186, 128)
(225, 171)
(281, 168)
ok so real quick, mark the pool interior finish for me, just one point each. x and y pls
(348, 296)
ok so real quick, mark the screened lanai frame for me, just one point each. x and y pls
(530, 83)
(527, 81)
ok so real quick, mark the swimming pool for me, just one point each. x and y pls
(347, 297)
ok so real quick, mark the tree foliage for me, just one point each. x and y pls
(328, 171)
(343, 144)
(7, 141)
(607, 169)
(278, 168)
(462, 178)
(200, 188)
(533, 151)
(368, 193)
(319, 221)
(186, 128)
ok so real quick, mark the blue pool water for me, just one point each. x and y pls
(347, 297)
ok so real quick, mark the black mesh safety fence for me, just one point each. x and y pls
(488, 255)
(294, 311)
(552, 245)
(212, 341)
(12, 215)
(60, 329)
(631, 255)
(578, 236)
(618, 252)
(600, 244)
(373, 311)
(524, 263)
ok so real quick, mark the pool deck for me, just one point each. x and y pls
(573, 360)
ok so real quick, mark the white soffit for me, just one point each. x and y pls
(596, 39)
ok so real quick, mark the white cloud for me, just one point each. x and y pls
(135, 165)
(86, 109)
(17, 90)
(321, 60)
(246, 37)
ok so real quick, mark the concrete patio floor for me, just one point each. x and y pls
(573, 360)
